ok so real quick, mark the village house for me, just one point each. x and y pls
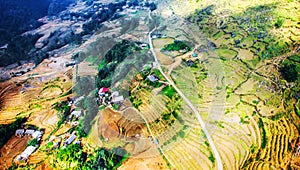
(76, 114)
(153, 78)
(20, 132)
(26, 153)
(195, 55)
(29, 132)
(117, 100)
(37, 135)
(190, 63)
(103, 90)
(70, 140)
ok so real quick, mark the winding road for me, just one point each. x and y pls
(200, 120)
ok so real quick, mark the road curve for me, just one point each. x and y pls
(211, 142)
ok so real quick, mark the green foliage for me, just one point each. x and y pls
(80, 129)
(33, 142)
(255, 102)
(279, 22)
(298, 112)
(136, 102)
(8, 130)
(19, 48)
(290, 71)
(49, 145)
(166, 116)
(176, 46)
(181, 133)
(35, 106)
(104, 159)
(169, 91)
(257, 21)
(91, 107)
(70, 157)
(111, 60)
(212, 158)
(63, 112)
(264, 137)
(73, 157)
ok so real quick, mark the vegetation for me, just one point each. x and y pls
(212, 158)
(136, 102)
(63, 111)
(112, 59)
(290, 71)
(176, 46)
(105, 159)
(8, 130)
(264, 137)
(19, 48)
(33, 142)
(169, 91)
(256, 24)
(73, 157)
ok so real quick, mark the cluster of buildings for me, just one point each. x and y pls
(35, 134)
(106, 97)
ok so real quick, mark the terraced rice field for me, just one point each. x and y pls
(186, 81)
(178, 139)
(34, 98)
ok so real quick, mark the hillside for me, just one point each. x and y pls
(171, 84)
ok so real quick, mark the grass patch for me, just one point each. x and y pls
(226, 54)
(169, 91)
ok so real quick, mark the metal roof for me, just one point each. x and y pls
(28, 151)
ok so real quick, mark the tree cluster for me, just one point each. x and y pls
(73, 157)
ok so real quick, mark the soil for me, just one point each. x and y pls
(11, 149)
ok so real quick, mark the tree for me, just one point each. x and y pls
(289, 72)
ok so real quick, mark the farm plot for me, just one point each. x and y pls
(174, 126)
(158, 44)
(186, 81)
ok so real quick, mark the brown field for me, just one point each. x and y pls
(11, 149)
(32, 95)
(155, 163)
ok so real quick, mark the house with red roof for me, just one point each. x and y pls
(103, 90)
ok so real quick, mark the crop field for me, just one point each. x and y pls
(185, 79)
(33, 98)
(177, 133)
(158, 45)
(251, 41)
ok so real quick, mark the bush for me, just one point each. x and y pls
(169, 91)
(279, 22)
(176, 46)
(33, 142)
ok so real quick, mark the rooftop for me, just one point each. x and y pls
(70, 139)
(153, 78)
(103, 90)
(117, 99)
(28, 151)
